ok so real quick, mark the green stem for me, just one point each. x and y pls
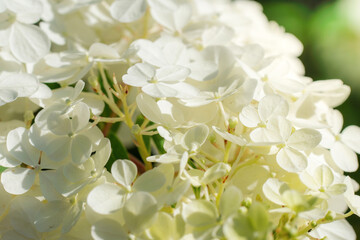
(144, 154)
(310, 226)
(105, 82)
(227, 151)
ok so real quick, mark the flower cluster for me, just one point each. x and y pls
(233, 141)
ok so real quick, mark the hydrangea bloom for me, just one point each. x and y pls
(229, 139)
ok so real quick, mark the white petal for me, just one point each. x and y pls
(12, 234)
(333, 91)
(249, 116)
(215, 172)
(323, 176)
(72, 217)
(150, 181)
(338, 230)
(62, 184)
(291, 160)
(26, 11)
(95, 104)
(172, 73)
(149, 108)
(149, 52)
(200, 213)
(222, 56)
(105, 198)
(217, 35)
(103, 152)
(124, 172)
(108, 229)
(23, 84)
(58, 123)
(139, 211)
(183, 162)
(7, 96)
(230, 201)
(128, 10)
(272, 190)
(351, 137)
(56, 147)
(2, 6)
(195, 137)
(50, 216)
(272, 105)
(352, 200)
(171, 14)
(79, 87)
(18, 145)
(304, 139)
(17, 180)
(164, 227)
(160, 90)
(6, 159)
(43, 91)
(81, 148)
(344, 157)
(80, 117)
(100, 50)
(139, 75)
(336, 189)
(22, 215)
(28, 43)
(78, 172)
(184, 90)
(48, 189)
(230, 137)
(280, 126)
(309, 180)
(265, 135)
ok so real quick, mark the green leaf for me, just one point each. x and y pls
(2, 169)
(159, 143)
(118, 150)
(115, 127)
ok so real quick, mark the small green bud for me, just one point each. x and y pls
(68, 101)
(330, 215)
(243, 210)
(136, 129)
(212, 138)
(313, 224)
(233, 122)
(246, 202)
(93, 81)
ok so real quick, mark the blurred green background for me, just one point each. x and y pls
(330, 33)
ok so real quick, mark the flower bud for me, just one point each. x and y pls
(247, 202)
(93, 81)
(136, 129)
(330, 215)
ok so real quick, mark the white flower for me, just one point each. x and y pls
(342, 145)
(27, 42)
(163, 82)
(14, 85)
